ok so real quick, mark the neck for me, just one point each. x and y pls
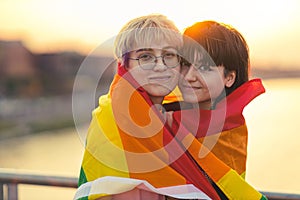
(211, 104)
(156, 100)
(206, 105)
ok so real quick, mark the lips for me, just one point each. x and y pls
(163, 78)
(191, 87)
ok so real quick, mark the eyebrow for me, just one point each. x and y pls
(152, 49)
(144, 49)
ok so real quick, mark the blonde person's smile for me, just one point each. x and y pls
(156, 79)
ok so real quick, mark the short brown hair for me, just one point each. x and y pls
(226, 47)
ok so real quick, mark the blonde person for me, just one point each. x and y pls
(130, 153)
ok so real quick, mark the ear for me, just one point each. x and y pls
(121, 62)
(230, 78)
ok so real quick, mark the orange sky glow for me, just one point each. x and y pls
(271, 28)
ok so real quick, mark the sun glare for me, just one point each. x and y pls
(49, 25)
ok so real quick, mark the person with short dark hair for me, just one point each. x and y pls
(215, 87)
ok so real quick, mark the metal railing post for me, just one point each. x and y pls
(12, 191)
(1, 191)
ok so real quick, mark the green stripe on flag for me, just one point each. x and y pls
(82, 177)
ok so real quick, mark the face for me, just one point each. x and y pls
(202, 84)
(160, 80)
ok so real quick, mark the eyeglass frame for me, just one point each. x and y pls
(155, 61)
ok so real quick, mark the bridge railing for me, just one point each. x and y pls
(10, 179)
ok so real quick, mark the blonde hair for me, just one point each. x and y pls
(143, 31)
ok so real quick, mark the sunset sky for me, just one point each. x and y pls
(271, 28)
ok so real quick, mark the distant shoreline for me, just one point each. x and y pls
(274, 73)
(17, 121)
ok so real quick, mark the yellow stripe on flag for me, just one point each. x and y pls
(174, 96)
(235, 187)
(104, 145)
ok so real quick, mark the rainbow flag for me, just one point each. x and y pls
(130, 147)
(223, 130)
(127, 138)
(217, 140)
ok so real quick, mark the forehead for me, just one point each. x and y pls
(155, 49)
(157, 38)
(154, 45)
(199, 57)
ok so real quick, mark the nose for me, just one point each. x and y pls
(190, 74)
(159, 64)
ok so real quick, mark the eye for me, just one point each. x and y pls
(146, 57)
(204, 68)
(169, 55)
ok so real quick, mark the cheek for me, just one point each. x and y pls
(176, 70)
(215, 88)
(181, 80)
(177, 75)
(183, 71)
(131, 64)
(213, 80)
(139, 76)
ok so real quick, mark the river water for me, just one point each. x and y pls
(273, 151)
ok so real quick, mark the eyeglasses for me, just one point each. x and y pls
(148, 61)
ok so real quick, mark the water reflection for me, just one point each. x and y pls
(273, 153)
(48, 153)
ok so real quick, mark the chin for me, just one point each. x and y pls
(159, 91)
(190, 99)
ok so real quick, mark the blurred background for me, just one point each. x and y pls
(44, 43)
